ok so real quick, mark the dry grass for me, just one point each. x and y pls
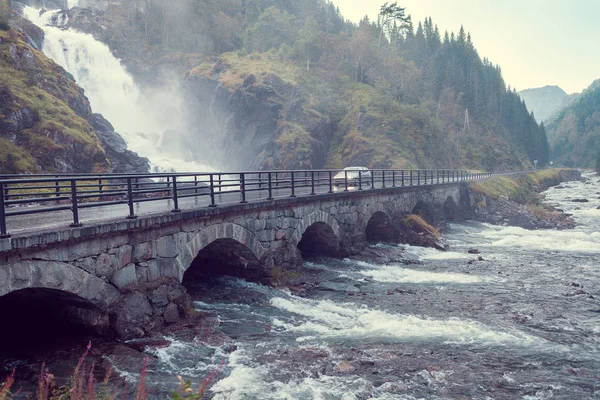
(416, 221)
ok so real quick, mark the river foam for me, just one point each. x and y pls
(395, 273)
(324, 319)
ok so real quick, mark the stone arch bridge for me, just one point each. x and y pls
(124, 277)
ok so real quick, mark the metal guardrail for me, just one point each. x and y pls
(44, 193)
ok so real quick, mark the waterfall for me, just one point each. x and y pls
(141, 118)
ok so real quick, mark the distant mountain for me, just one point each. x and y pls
(544, 101)
(574, 132)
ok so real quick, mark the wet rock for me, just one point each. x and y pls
(345, 367)
(125, 358)
(130, 312)
(338, 287)
(244, 328)
(171, 314)
(580, 201)
(142, 345)
(473, 251)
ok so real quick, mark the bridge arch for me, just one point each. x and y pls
(318, 233)
(450, 209)
(380, 228)
(225, 239)
(425, 211)
(58, 276)
(42, 294)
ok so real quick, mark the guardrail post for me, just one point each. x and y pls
(3, 233)
(419, 178)
(411, 177)
(175, 196)
(393, 178)
(74, 206)
(293, 185)
(402, 177)
(243, 188)
(270, 187)
(130, 200)
(312, 183)
(345, 181)
(212, 191)
(383, 178)
(195, 184)
(373, 181)
(330, 182)
(360, 180)
(57, 187)
(100, 188)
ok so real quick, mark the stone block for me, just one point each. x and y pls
(123, 254)
(159, 297)
(5, 245)
(106, 264)
(87, 264)
(125, 277)
(171, 314)
(266, 236)
(143, 252)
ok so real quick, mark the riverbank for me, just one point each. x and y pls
(515, 200)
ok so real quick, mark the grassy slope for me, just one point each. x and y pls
(44, 88)
(519, 188)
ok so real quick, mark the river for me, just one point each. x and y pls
(521, 323)
(520, 319)
(506, 313)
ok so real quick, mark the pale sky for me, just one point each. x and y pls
(535, 42)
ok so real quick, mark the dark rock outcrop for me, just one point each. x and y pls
(260, 124)
(121, 159)
(145, 309)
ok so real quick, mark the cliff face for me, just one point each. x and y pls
(46, 123)
(256, 122)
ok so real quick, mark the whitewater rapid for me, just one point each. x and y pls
(150, 122)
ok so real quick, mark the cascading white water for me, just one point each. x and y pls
(141, 118)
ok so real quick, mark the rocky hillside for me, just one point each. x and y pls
(272, 114)
(279, 84)
(575, 131)
(543, 102)
(46, 123)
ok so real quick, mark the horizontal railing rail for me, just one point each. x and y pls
(47, 193)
